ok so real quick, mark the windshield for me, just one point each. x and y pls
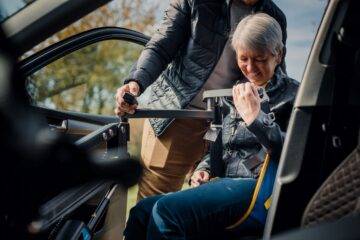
(10, 7)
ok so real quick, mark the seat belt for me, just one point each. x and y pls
(214, 136)
(217, 168)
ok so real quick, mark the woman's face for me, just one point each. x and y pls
(258, 67)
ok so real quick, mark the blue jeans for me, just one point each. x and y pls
(198, 213)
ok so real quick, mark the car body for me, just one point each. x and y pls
(323, 130)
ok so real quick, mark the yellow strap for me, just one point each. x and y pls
(255, 194)
(267, 203)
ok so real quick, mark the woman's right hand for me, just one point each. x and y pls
(121, 106)
(199, 177)
(247, 101)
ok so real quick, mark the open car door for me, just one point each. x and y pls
(49, 91)
(72, 84)
(322, 134)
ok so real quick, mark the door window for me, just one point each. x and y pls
(85, 80)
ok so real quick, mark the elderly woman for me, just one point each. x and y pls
(204, 212)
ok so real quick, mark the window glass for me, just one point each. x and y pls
(85, 80)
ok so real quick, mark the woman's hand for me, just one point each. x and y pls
(246, 101)
(199, 177)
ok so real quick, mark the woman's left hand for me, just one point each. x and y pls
(199, 177)
(246, 101)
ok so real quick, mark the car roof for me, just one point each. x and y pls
(41, 19)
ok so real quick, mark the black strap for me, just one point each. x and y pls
(216, 146)
(216, 154)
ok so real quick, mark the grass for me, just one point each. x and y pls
(131, 199)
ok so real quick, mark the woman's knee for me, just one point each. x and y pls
(163, 208)
(167, 217)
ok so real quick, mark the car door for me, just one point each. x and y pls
(324, 127)
(72, 83)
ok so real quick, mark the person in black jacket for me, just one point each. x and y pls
(188, 54)
(250, 133)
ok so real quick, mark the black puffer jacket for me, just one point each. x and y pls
(191, 38)
(245, 146)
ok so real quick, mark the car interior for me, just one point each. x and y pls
(55, 186)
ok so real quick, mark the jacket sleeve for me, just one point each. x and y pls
(268, 133)
(273, 10)
(164, 44)
(283, 25)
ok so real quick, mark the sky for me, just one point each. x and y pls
(8, 7)
(303, 18)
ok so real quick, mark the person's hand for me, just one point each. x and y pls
(246, 101)
(199, 177)
(121, 106)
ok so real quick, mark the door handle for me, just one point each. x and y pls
(59, 128)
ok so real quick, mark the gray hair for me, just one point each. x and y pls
(258, 32)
